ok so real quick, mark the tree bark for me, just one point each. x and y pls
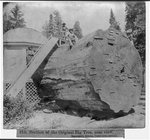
(103, 71)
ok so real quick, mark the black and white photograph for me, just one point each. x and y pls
(76, 65)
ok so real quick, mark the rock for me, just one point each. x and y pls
(102, 72)
(47, 111)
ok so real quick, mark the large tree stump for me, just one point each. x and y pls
(102, 72)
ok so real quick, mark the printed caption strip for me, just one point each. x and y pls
(71, 133)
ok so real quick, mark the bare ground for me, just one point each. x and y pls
(41, 120)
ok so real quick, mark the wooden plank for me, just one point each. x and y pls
(20, 81)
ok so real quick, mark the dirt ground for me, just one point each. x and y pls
(41, 120)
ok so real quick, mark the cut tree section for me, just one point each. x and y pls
(103, 71)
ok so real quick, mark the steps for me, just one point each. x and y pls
(40, 55)
(142, 100)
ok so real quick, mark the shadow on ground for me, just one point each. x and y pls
(74, 109)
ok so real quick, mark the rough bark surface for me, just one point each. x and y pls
(102, 72)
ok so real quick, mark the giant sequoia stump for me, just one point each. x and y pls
(102, 72)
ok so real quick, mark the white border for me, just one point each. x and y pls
(129, 133)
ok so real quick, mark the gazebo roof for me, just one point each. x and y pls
(25, 36)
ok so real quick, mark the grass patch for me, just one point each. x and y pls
(16, 109)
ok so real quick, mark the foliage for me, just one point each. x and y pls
(45, 28)
(57, 23)
(135, 26)
(54, 25)
(16, 109)
(15, 20)
(5, 3)
(77, 30)
(51, 25)
(113, 21)
(6, 23)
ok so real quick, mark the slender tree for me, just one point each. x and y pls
(6, 23)
(57, 23)
(54, 25)
(77, 30)
(51, 25)
(45, 28)
(113, 22)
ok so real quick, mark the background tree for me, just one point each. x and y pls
(5, 3)
(54, 25)
(45, 28)
(135, 26)
(48, 27)
(77, 30)
(16, 18)
(113, 22)
(6, 23)
(51, 25)
(57, 24)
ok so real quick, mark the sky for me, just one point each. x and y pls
(91, 15)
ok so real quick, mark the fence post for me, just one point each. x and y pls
(24, 92)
